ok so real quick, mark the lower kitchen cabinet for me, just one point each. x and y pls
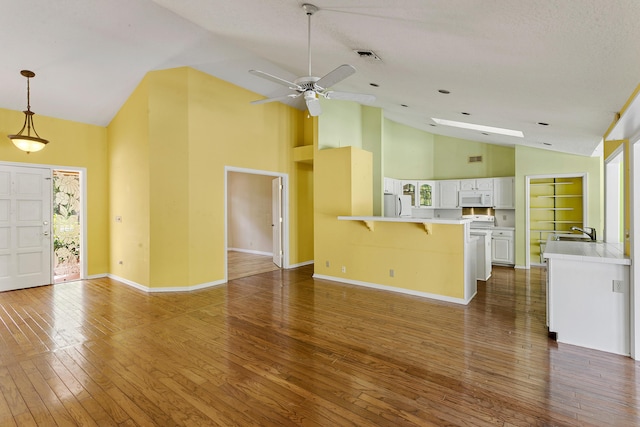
(502, 247)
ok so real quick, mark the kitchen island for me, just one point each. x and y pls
(433, 258)
(588, 294)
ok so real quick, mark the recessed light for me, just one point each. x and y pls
(543, 124)
(374, 84)
(444, 91)
(480, 128)
(404, 105)
(466, 114)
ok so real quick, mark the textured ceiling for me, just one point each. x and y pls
(507, 63)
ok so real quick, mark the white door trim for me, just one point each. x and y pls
(527, 182)
(285, 211)
(83, 202)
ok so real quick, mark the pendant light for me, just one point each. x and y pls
(27, 142)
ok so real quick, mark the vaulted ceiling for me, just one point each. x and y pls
(506, 63)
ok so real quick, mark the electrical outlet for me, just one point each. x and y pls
(618, 286)
(504, 217)
(391, 273)
(344, 269)
(327, 264)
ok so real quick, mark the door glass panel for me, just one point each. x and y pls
(410, 190)
(66, 225)
(426, 191)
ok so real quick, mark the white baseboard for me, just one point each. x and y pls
(96, 276)
(520, 267)
(394, 289)
(300, 264)
(166, 289)
(249, 251)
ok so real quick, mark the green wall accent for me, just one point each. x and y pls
(339, 125)
(372, 130)
(407, 152)
(451, 159)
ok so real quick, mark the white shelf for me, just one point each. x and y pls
(558, 196)
(551, 209)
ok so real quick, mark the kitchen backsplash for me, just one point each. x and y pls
(505, 217)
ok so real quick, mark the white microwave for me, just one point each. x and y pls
(472, 199)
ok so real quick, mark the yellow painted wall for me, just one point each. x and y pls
(343, 187)
(195, 125)
(129, 187)
(533, 161)
(70, 144)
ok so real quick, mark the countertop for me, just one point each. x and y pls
(406, 219)
(601, 252)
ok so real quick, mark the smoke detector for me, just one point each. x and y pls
(367, 54)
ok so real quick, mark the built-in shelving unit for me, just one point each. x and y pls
(555, 205)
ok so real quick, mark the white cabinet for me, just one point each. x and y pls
(503, 193)
(448, 193)
(427, 194)
(502, 247)
(476, 184)
(392, 186)
(388, 185)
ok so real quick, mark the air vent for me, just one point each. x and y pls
(475, 159)
(367, 54)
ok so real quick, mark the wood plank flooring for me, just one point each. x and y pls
(283, 349)
(242, 264)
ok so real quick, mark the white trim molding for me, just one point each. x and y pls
(394, 289)
(166, 289)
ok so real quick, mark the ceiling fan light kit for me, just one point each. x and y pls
(311, 87)
(28, 142)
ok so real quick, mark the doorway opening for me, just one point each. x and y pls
(67, 226)
(614, 197)
(256, 222)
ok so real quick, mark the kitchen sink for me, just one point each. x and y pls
(566, 238)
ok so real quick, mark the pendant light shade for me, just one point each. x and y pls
(27, 142)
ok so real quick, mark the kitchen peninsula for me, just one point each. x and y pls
(434, 258)
(588, 294)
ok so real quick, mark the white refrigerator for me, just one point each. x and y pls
(397, 205)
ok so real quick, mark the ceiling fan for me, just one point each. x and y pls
(311, 87)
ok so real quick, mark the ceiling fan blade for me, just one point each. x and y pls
(274, 79)
(349, 96)
(335, 76)
(279, 98)
(313, 104)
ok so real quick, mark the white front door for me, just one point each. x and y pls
(276, 220)
(25, 227)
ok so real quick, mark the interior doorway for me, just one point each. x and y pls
(256, 222)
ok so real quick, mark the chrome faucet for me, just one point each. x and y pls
(591, 233)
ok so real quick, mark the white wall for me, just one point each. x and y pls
(249, 204)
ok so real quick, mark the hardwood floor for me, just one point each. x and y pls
(242, 264)
(280, 348)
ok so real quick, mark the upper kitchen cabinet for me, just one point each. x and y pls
(476, 184)
(448, 190)
(428, 194)
(410, 188)
(392, 186)
(503, 193)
